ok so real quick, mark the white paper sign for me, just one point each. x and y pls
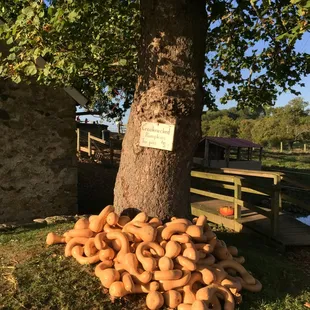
(157, 135)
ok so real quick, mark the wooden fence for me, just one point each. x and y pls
(248, 182)
(92, 148)
(238, 185)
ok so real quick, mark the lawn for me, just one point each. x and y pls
(296, 166)
(33, 276)
(287, 160)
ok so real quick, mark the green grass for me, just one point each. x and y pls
(296, 166)
(33, 276)
(286, 160)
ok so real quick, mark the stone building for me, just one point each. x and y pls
(38, 166)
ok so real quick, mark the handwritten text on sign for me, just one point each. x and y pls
(157, 136)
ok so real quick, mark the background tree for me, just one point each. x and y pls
(223, 127)
(92, 45)
(245, 129)
(288, 124)
(293, 122)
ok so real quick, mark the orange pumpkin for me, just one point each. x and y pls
(227, 211)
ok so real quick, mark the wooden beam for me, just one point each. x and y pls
(198, 210)
(78, 140)
(258, 191)
(89, 144)
(237, 198)
(254, 173)
(85, 150)
(97, 139)
(213, 176)
(88, 113)
(275, 207)
(211, 195)
(76, 95)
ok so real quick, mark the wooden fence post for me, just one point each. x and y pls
(281, 146)
(305, 148)
(78, 140)
(89, 144)
(237, 197)
(276, 205)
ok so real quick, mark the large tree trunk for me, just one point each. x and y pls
(169, 90)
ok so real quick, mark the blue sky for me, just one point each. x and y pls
(302, 45)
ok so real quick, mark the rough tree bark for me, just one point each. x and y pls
(169, 90)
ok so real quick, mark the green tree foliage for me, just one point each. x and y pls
(93, 45)
(287, 124)
(266, 132)
(245, 129)
(293, 121)
(222, 127)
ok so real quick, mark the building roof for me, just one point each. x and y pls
(232, 142)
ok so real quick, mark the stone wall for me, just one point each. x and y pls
(38, 168)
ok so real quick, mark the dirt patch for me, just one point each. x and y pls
(300, 257)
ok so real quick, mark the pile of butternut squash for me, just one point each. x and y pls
(179, 264)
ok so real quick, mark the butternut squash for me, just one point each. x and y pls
(189, 295)
(123, 241)
(77, 253)
(72, 243)
(52, 238)
(123, 220)
(207, 293)
(165, 263)
(108, 276)
(82, 223)
(87, 233)
(112, 219)
(90, 248)
(174, 228)
(96, 224)
(102, 266)
(154, 300)
(172, 298)
(249, 279)
(149, 263)
(172, 284)
(173, 249)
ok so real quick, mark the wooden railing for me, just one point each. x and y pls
(281, 180)
(233, 184)
(91, 145)
(238, 183)
(262, 183)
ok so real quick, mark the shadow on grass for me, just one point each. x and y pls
(51, 281)
(285, 285)
(45, 279)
